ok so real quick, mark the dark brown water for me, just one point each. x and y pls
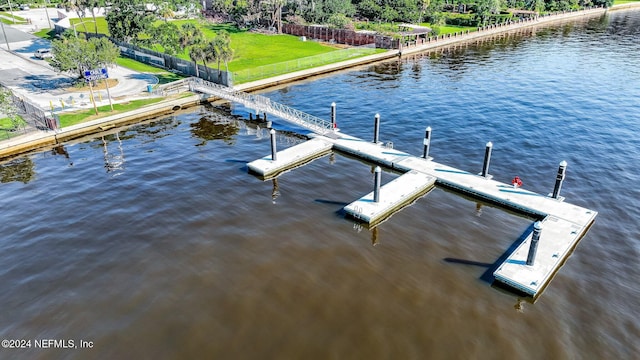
(156, 243)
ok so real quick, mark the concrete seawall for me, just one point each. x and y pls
(39, 140)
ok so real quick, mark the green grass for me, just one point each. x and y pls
(251, 50)
(76, 117)
(450, 29)
(100, 23)
(619, 2)
(6, 18)
(163, 75)
(48, 34)
(7, 129)
(280, 68)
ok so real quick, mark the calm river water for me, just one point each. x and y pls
(154, 242)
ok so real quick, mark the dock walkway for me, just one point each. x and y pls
(563, 224)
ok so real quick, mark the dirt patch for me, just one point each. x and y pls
(97, 85)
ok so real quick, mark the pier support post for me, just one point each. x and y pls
(533, 247)
(273, 145)
(376, 129)
(333, 115)
(376, 184)
(427, 143)
(559, 178)
(487, 159)
(250, 116)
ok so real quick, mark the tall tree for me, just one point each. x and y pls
(166, 35)
(191, 37)
(77, 54)
(219, 50)
(127, 19)
(197, 53)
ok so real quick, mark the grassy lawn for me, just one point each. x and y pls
(250, 49)
(100, 23)
(163, 76)
(618, 2)
(7, 18)
(48, 34)
(7, 129)
(76, 117)
(254, 49)
(450, 29)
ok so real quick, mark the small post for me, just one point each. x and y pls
(269, 124)
(265, 116)
(533, 247)
(250, 116)
(376, 129)
(376, 184)
(427, 142)
(273, 145)
(559, 178)
(487, 159)
(333, 115)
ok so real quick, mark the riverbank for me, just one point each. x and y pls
(36, 141)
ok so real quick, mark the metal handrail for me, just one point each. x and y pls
(264, 104)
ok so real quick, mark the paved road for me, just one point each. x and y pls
(36, 81)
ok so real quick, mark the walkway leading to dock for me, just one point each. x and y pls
(263, 104)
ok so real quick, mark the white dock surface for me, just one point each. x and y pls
(290, 157)
(563, 224)
(557, 239)
(393, 196)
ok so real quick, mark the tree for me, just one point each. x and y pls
(197, 53)
(219, 50)
(76, 54)
(127, 19)
(165, 10)
(191, 37)
(166, 35)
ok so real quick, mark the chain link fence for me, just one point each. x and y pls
(32, 118)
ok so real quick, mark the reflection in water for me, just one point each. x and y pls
(20, 169)
(113, 162)
(215, 127)
(276, 190)
(374, 236)
(60, 150)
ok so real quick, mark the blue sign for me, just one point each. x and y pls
(96, 74)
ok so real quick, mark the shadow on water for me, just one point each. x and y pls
(331, 202)
(487, 276)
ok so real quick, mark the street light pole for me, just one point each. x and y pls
(47, 12)
(13, 18)
(5, 36)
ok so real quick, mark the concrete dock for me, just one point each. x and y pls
(392, 197)
(290, 158)
(562, 224)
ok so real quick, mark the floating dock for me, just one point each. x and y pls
(393, 196)
(561, 225)
(290, 158)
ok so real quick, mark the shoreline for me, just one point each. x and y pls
(37, 141)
